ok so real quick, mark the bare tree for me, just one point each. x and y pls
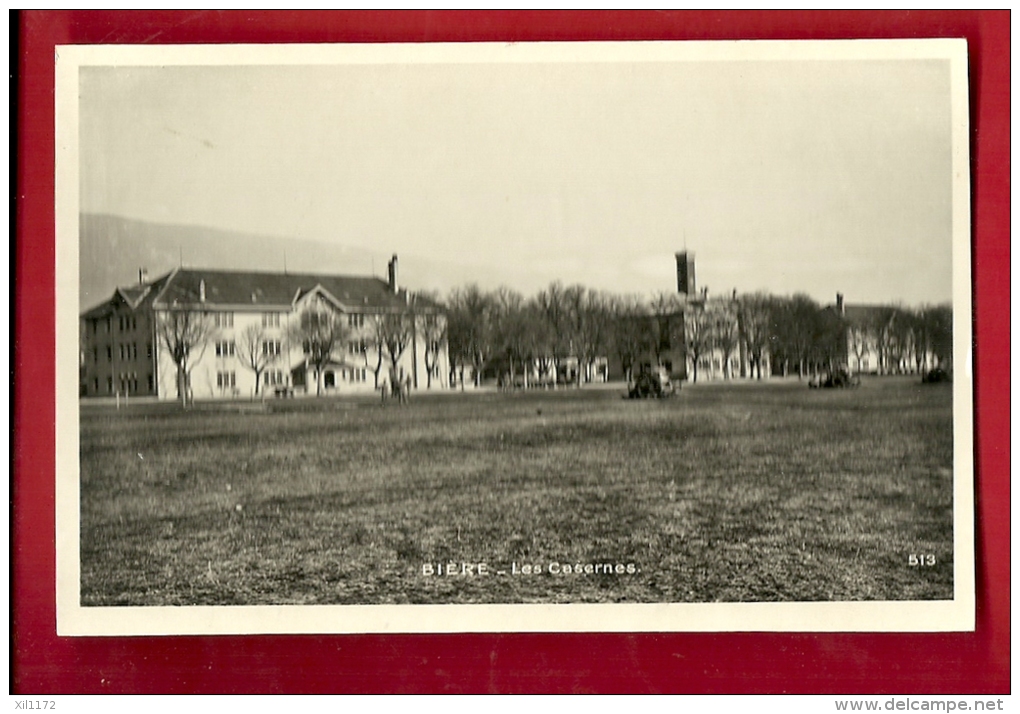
(596, 329)
(372, 348)
(666, 309)
(510, 332)
(470, 329)
(697, 335)
(320, 334)
(185, 332)
(551, 304)
(858, 340)
(880, 325)
(631, 336)
(431, 326)
(396, 330)
(939, 320)
(725, 336)
(753, 323)
(257, 351)
(541, 340)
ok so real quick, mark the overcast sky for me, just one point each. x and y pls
(813, 176)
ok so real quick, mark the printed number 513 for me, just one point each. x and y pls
(921, 559)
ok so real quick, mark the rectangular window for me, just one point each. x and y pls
(134, 350)
(109, 385)
(109, 326)
(148, 350)
(223, 319)
(109, 353)
(150, 382)
(219, 380)
(270, 319)
(271, 348)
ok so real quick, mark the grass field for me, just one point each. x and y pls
(738, 492)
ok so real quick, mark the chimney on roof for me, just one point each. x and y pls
(143, 275)
(201, 291)
(393, 273)
(839, 303)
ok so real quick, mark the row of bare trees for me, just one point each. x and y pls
(505, 332)
(525, 337)
(518, 337)
(325, 337)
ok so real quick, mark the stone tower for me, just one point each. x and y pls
(685, 283)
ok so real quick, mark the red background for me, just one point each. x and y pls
(975, 662)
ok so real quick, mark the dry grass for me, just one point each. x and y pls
(746, 492)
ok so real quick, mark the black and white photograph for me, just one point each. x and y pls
(514, 337)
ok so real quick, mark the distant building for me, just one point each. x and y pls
(266, 318)
(885, 339)
(695, 336)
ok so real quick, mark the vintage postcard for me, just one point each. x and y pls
(644, 336)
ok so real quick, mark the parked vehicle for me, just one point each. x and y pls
(839, 378)
(651, 383)
(936, 376)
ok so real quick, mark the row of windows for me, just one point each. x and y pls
(355, 375)
(357, 347)
(228, 348)
(273, 378)
(271, 348)
(126, 384)
(226, 380)
(347, 374)
(125, 323)
(125, 351)
(128, 322)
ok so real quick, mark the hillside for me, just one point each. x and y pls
(113, 249)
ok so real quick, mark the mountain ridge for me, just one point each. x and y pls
(113, 249)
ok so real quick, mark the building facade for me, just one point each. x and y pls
(211, 334)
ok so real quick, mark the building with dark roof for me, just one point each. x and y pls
(213, 333)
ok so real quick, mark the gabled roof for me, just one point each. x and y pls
(250, 290)
(131, 296)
